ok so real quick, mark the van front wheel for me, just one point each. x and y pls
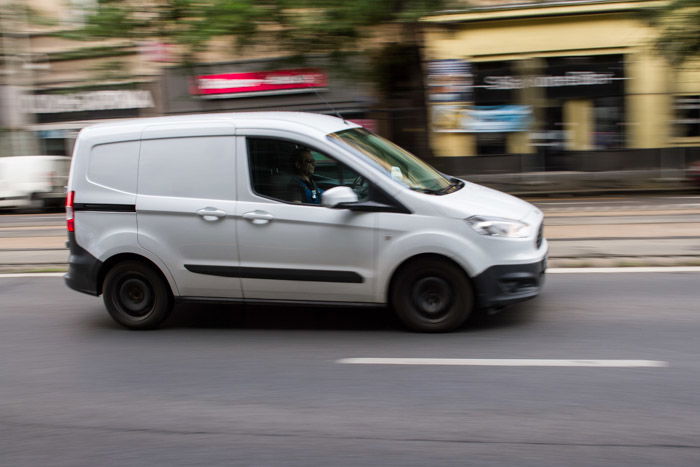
(136, 296)
(431, 295)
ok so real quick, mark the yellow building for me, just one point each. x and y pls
(552, 77)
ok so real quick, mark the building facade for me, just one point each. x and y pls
(53, 85)
(267, 84)
(551, 77)
(67, 84)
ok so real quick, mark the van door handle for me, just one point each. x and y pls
(211, 214)
(258, 217)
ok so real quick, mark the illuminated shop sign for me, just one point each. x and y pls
(366, 123)
(89, 101)
(232, 85)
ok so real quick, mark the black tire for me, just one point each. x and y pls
(432, 295)
(34, 205)
(136, 296)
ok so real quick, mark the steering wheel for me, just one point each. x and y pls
(360, 186)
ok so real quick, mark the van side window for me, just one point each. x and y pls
(193, 167)
(275, 171)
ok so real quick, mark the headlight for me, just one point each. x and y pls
(499, 227)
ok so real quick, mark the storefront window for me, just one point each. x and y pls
(491, 143)
(608, 123)
(547, 86)
(687, 116)
(550, 140)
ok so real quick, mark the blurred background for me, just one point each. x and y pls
(542, 99)
(526, 96)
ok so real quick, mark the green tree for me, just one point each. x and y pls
(679, 25)
(296, 27)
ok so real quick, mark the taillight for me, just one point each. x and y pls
(70, 213)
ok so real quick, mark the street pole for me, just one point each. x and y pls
(17, 81)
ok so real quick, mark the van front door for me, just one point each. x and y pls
(291, 247)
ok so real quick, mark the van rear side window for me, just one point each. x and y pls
(114, 165)
(195, 167)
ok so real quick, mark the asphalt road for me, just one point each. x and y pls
(263, 387)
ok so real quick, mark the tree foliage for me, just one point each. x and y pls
(679, 25)
(294, 26)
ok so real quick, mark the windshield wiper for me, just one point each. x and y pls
(454, 185)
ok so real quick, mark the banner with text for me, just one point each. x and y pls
(234, 85)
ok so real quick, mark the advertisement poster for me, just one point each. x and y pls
(497, 118)
(448, 118)
(481, 119)
(449, 81)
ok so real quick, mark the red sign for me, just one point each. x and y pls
(259, 83)
(367, 123)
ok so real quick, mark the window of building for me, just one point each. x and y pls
(491, 143)
(609, 131)
(687, 116)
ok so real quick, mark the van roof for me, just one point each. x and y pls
(320, 122)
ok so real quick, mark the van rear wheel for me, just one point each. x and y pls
(136, 296)
(432, 295)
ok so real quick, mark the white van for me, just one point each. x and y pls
(288, 208)
(33, 182)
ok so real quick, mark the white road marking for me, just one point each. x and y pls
(622, 270)
(533, 362)
(32, 274)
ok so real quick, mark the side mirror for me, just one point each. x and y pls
(338, 195)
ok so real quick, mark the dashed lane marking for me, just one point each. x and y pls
(32, 274)
(623, 270)
(512, 362)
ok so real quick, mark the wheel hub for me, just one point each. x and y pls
(135, 297)
(432, 297)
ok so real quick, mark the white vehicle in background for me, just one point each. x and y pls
(33, 182)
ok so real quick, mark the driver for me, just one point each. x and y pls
(303, 187)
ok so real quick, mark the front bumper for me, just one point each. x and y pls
(503, 285)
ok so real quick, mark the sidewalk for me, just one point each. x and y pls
(599, 244)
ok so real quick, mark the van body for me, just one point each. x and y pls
(207, 208)
(33, 182)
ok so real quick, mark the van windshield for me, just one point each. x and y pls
(396, 162)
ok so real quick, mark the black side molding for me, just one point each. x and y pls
(103, 207)
(264, 302)
(281, 274)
